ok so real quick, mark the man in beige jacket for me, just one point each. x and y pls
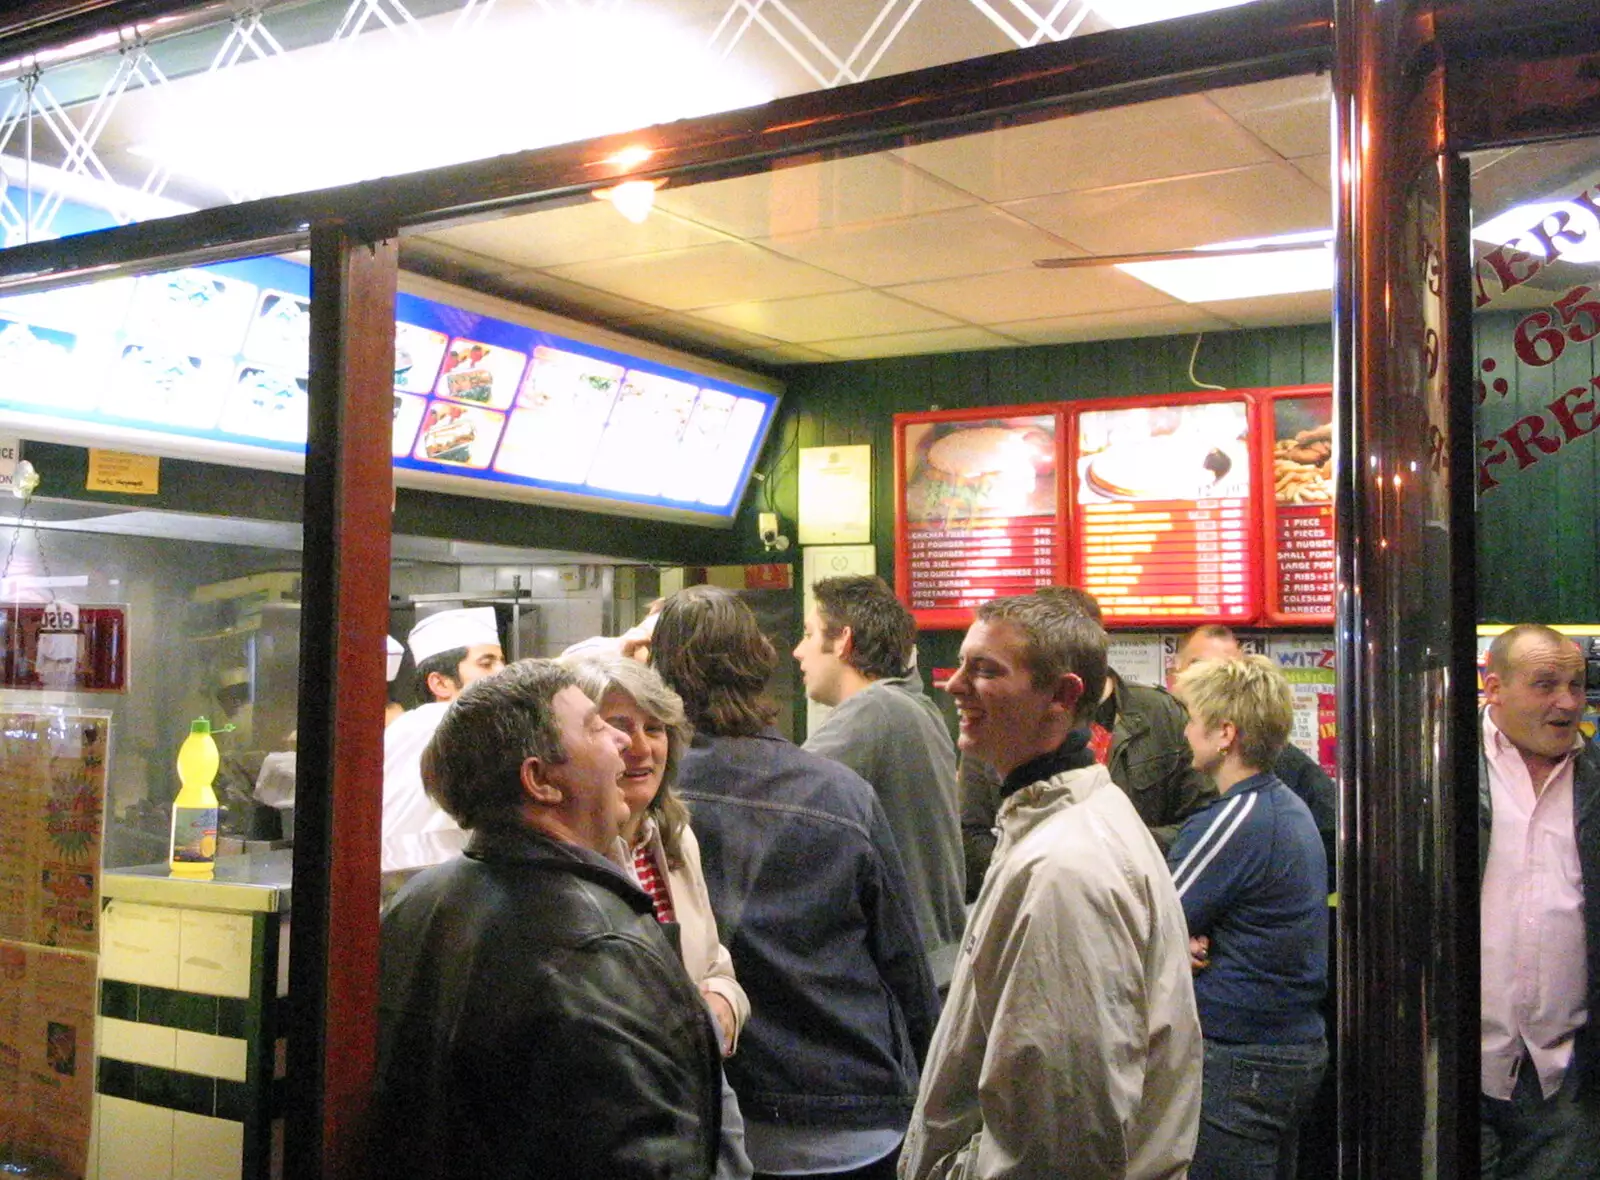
(1069, 1046)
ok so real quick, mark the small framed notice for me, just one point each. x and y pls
(836, 495)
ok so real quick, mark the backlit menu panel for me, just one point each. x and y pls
(979, 510)
(1165, 526)
(1300, 566)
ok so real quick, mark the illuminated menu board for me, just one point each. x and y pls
(978, 509)
(1164, 530)
(1299, 521)
(211, 363)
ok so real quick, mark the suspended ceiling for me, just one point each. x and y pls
(932, 248)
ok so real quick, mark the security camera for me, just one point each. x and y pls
(769, 537)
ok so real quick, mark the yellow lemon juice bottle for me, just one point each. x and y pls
(194, 811)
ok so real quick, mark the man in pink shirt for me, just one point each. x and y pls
(1539, 842)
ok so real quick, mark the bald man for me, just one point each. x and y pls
(1539, 859)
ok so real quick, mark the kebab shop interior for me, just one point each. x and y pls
(1092, 350)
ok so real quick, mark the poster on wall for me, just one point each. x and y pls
(1298, 525)
(47, 1010)
(53, 765)
(1307, 663)
(1164, 527)
(61, 646)
(977, 509)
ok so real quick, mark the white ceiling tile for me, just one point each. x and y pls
(1305, 307)
(574, 233)
(933, 246)
(1114, 325)
(827, 317)
(813, 196)
(788, 354)
(1318, 169)
(698, 331)
(576, 295)
(1170, 137)
(1292, 116)
(1034, 294)
(913, 344)
(454, 255)
(704, 276)
(1185, 212)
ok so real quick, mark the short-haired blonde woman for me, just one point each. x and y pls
(1252, 876)
(662, 852)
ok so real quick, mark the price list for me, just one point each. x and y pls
(1169, 559)
(1305, 559)
(964, 565)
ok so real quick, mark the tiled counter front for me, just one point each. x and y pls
(191, 977)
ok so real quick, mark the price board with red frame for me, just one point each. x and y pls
(1296, 475)
(1164, 515)
(979, 508)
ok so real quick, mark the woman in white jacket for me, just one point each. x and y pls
(662, 854)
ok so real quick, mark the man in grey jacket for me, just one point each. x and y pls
(855, 657)
(1070, 1044)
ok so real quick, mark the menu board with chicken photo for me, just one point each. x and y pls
(1164, 531)
(978, 509)
(1299, 524)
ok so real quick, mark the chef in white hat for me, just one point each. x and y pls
(452, 648)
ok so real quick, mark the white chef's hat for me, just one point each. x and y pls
(449, 629)
(396, 653)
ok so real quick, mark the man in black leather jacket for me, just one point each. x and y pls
(535, 1020)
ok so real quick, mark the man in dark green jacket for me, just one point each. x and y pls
(1140, 738)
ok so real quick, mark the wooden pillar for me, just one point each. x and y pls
(344, 618)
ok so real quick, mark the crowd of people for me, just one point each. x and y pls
(679, 945)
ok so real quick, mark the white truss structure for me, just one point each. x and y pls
(35, 122)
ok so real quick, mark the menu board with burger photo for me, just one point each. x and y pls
(1299, 518)
(978, 508)
(1164, 530)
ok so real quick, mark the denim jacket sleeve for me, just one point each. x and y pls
(895, 944)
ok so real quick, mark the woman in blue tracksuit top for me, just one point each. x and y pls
(1252, 876)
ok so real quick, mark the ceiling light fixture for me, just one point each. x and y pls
(632, 198)
(1127, 13)
(1279, 265)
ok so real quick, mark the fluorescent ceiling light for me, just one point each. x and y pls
(1235, 273)
(380, 106)
(1125, 14)
(1573, 227)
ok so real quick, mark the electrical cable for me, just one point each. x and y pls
(1193, 380)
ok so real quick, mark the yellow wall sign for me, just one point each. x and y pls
(118, 471)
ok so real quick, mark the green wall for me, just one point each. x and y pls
(1539, 528)
(842, 404)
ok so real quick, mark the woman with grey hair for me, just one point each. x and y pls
(662, 852)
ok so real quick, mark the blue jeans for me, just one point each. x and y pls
(1252, 1101)
(1533, 1137)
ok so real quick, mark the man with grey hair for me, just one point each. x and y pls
(534, 1018)
(1069, 1045)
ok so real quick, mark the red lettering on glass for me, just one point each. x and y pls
(1526, 432)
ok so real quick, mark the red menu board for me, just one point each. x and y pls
(1165, 526)
(978, 508)
(1299, 517)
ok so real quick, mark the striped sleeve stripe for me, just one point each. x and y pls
(1214, 841)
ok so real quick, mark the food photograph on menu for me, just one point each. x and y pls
(560, 415)
(280, 331)
(480, 374)
(162, 385)
(1164, 531)
(408, 411)
(979, 510)
(266, 403)
(1302, 572)
(36, 362)
(643, 433)
(417, 354)
(190, 307)
(459, 435)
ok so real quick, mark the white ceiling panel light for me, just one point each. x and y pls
(1242, 270)
(371, 106)
(1125, 14)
